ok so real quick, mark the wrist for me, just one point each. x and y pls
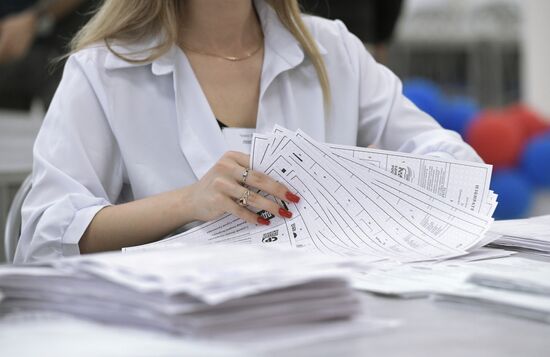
(30, 18)
(185, 205)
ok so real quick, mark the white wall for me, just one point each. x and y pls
(536, 55)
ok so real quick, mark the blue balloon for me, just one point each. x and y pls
(457, 114)
(515, 194)
(425, 94)
(535, 160)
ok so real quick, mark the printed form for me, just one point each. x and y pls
(360, 202)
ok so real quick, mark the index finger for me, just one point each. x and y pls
(239, 157)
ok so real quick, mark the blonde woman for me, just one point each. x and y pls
(132, 147)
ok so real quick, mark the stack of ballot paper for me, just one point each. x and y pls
(423, 279)
(508, 302)
(194, 291)
(530, 235)
(512, 285)
(362, 202)
(515, 286)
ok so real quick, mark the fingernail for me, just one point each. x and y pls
(283, 212)
(292, 197)
(263, 221)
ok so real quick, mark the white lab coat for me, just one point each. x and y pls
(121, 131)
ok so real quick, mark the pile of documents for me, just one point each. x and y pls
(379, 205)
(530, 235)
(195, 291)
(511, 285)
(515, 286)
(422, 279)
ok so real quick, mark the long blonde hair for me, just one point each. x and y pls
(132, 20)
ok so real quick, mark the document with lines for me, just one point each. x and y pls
(466, 183)
(362, 202)
(404, 222)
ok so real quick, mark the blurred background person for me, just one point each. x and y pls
(373, 21)
(32, 34)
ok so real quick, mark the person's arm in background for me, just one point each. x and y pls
(18, 31)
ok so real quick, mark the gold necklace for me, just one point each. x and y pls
(227, 58)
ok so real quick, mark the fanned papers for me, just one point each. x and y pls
(444, 219)
(362, 202)
(196, 291)
(531, 235)
(357, 206)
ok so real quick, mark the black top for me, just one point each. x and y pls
(222, 125)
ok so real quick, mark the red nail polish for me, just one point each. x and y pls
(263, 221)
(292, 197)
(283, 212)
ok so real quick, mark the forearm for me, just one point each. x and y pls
(58, 9)
(138, 222)
(147, 220)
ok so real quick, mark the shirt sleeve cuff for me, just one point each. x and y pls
(77, 227)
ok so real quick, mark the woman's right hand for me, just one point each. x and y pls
(218, 191)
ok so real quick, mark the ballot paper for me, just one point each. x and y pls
(514, 274)
(511, 285)
(360, 202)
(238, 139)
(229, 229)
(466, 183)
(533, 307)
(531, 235)
(203, 291)
(517, 287)
(361, 207)
(408, 281)
(425, 278)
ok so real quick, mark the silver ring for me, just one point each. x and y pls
(243, 200)
(245, 176)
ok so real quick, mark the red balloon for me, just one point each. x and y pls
(496, 139)
(530, 122)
